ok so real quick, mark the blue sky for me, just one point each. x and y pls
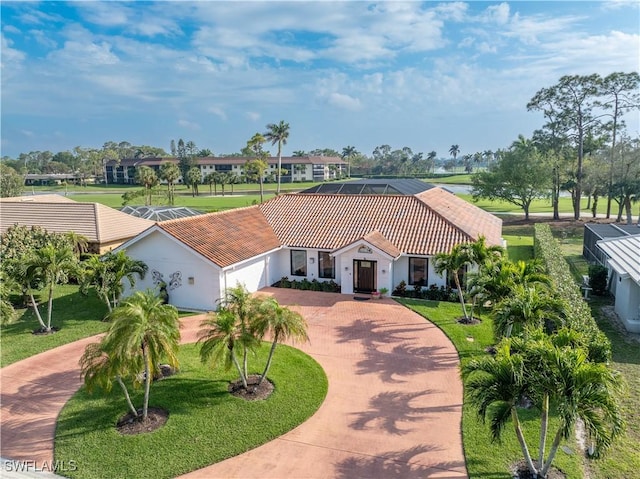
(420, 74)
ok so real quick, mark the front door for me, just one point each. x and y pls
(364, 277)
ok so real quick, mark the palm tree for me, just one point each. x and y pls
(212, 178)
(143, 332)
(528, 305)
(454, 151)
(257, 167)
(170, 173)
(453, 263)
(278, 133)
(220, 334)
(99, 369)
(79, 243)
(108, 273)
(348, 152)
(52, 266)
(282, 323)
(194, 177)
(147, 177)
(547, 372)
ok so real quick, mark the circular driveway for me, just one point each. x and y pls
(393, 407)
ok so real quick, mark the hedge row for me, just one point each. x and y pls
(579, 315)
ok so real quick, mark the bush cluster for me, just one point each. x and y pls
(305, 284)
(579, 316)
(433, 292)
(598, 276)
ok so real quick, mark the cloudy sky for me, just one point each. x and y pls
(423, 75)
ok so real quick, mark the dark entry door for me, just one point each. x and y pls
(364, 277)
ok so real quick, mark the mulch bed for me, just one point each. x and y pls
(44, 332)
(130, 424)
(468, 321)
(253, 392)
(521, 471)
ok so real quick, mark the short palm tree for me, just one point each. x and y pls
(453, 263)
(99, 369)
(282, 324)
(170, 172)
(147, 177)
(51, 265)
(143, 332)
(549, 374)
(79, 243)
(123, 267)
(278, 133)
(532, 306)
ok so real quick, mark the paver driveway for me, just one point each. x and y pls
(393, 407)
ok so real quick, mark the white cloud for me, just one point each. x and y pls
(343, 101)
(189, 124)
(218, 112)
(252, 115)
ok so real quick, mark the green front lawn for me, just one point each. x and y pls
(206, 424)
(76, 315)
(486, 459)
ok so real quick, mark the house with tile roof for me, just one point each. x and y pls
(105, 228)
(362, 242)
(623, 262)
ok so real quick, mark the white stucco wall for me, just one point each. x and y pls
(627, 303)
(253, 274)
(345, 273)
(168, 257)
(401, 273)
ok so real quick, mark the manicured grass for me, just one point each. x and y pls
(537, 206)
(76, 315)
(519, 241)
(623, 460)
(486, 459)
(206, 424)
(204, 202)
(463, 179)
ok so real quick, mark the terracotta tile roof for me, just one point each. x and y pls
(409, 223)
(225, 238)
(99, 223)
(474, 221)
(383, 244)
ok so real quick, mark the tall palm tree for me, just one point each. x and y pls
(147, 177)
(454, 151)
(257, 167)
(170, 173)
(193, 179)
(52, 265)
(143, 332)
(348, 152)
(282, 323)
(278, 133)
(452, 263)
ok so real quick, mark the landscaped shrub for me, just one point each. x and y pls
(578, 313)
(401, 289)
(598, 279)
(432, 293)
(305, 284)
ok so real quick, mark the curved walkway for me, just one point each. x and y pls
(393, 408)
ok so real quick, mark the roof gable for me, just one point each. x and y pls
(225, 238)
(377, 241)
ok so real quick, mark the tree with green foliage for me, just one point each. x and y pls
(193, 179)
(7, 286)
(107, 275)
(573, 101)
(348, 152)
(281, 324)
(170, 173)
(143, 333)
(256, 168)
(278, 133)
(48, 266)
(11, 182)
(520, 176)
(147, 177)
(550, 372)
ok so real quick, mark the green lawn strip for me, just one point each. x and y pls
(487, 459)
(206, 424)
(450, 179)
(537, 206)
(519, 241)
(622, 460)
(76, 315)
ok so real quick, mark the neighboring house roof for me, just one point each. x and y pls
(408, 186)
(225, 238)
(393, 224)
(98, 223)
(609, 230)
(160, 213)
(624, 255)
